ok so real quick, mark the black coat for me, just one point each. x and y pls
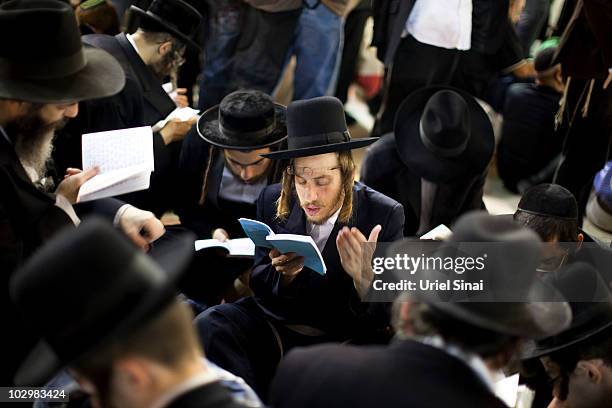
(28, 218)
(403, 374)
(329, 303)
(215, 212)
(212, 395)
(383, 170)
(585, 49)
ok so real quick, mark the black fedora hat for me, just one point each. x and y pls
(43, 60)
(443, 134)
(176, 17)
(89, 286)
(590, 301)
(244, 120)
(317, 126)
(512, 253)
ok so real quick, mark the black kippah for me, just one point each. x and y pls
(549, 200)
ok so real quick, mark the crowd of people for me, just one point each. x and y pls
(107, 302)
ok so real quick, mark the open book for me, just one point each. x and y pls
(182, 114)
(303, 245)
(239, 247)
(125, 158)
(440, 233)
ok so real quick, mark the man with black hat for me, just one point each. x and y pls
(116, 308)
(578, 361)
(154, 52)
(221, 176)
(294, 305)
(37, 95)
(445, 352)
(435, 163)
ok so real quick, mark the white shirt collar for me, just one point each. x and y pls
(205, 377)
(321, 232)
(130, 38)
(472, 360)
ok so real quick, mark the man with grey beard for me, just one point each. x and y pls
(43, 76)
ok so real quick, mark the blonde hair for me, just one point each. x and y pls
(347, 172)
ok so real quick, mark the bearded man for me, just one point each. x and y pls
(43, 76)
(294, 305)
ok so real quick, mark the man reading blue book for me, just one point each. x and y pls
(294, 305)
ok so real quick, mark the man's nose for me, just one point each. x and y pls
(246, 173)
(311, 192)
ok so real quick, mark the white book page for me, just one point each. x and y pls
(440, 233)
(242, 247)
(117, 149)
(115, 182)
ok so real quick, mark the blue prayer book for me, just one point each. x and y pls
(263, 236)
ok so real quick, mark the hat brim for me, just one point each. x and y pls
(152, 18)
(172, 254)
(315, 150)
(597, 215)
(209, 130)
(474, 159)
(102, 76)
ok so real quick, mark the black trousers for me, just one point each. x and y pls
(240, 338)
(586, 139)
(416, 65)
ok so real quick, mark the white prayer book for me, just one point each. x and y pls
(125, 159)
(238, 247)
(182, 114)
(440, 233)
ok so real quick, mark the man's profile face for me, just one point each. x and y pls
(318, 183)
(33, 130)
(248, 166)
(168, 60)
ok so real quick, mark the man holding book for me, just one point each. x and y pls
(294, 305)
(43, 76)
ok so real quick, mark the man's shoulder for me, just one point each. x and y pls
(368, 197)
(271, 192)
(106, 42)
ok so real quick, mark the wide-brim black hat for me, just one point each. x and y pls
(97, 287)
(50, 64)
(536, 311)
(431, 166)
(176, 17)
(244, 120)
(317, 126)
(590, 301)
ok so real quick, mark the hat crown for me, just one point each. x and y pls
(247, 111)
(445, 124)
(89, 280)
(315, 116)
(603, 184)
(45, 41)
(177, 14)
(550, 200)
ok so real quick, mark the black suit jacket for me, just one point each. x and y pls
(212, 395)
(329, 303)
(404, 374)
(28, 218)
(383, 170)
(390, 18)
(157, 103)
(585, 49)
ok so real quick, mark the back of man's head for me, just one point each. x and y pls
(168, 342)
(550, 210)
(547, 72)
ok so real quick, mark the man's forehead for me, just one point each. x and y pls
(318, 161)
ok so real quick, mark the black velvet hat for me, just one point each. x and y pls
(443, 134)
(550, 200)
(316, 126)
(244, 120)
(43, 60)
(591, 308)
(89, 286)
(176, 17)
(511, 254)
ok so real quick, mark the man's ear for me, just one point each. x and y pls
(133, 372)
(165, 47)
(590, 369)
